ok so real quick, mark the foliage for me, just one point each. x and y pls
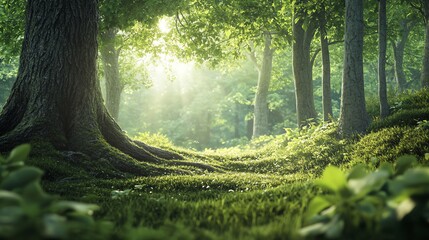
(390, 202)
(26, 211)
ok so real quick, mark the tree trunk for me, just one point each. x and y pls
(424, 79)
(353, 115)
(260, 121)
(110, 57)
(382, 45)
(302, 69)
(398, 53)
(56, 97)
(326, 62)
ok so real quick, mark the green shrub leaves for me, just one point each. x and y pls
(383, 202)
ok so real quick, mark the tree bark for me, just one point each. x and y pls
(382, 45)
(398, 53)
(110, 58)
(353, 115)
(260, 121)
(326, 65)
(302, 69)
(424, 79)
(57, 99)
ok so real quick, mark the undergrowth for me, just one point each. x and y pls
(265, 191)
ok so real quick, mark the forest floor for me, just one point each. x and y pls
(261, 190)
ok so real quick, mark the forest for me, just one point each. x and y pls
(214, 119)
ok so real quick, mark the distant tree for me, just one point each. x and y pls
(326, 63)
(353, 115)
(56, 97)
(382, 48)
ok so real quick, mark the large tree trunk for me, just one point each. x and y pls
(398, 53)
(424, 79)
(110, 58)
(302, 69)
(56, 97)
(382, 45)
(260, 121)
(353, 115)
(326, 62)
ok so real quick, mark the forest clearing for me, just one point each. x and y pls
(220, 119)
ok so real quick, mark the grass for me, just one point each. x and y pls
(262, 193)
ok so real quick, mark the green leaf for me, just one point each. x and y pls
(404, 208)
(7, 197)
(333, 178)
(427, 156)
(20, 153)
(55, 226)
(77, 207)
(21, 177)
(413, 181)
(316, 205)
(334, 228)
(405, 162)
(313, 230)
(372, 182)
(358, 171)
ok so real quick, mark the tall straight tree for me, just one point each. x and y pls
(260, 120)
(353, 115)
(382, 46)
(424, 79)
(302, 65)
(326, 65)
(398, 46)
(56, 97)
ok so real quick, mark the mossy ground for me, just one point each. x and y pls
(260, 193)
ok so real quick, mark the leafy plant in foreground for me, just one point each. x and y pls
(27, 212)
(389, 203)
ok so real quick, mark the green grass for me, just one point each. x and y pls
(262, 192)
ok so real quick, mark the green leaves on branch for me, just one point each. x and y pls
(390, 201)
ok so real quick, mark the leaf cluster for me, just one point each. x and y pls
(390, 202)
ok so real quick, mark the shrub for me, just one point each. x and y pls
(390, 203)
(27, 212)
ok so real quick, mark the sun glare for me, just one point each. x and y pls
(164, 25)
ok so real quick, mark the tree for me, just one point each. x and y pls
(353, 115)
(303, 33)
(122, 15)
(326, 63)
(261, 111)
(398, 45)
(56, 97)
(424, 79)
(382, 46)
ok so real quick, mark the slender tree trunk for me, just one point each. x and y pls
(382, 45)
(424, 79)
(326, 62)
(302, 70)
(353, 115)
(110, 58)
(398, 53)
(57, 99)
(260, 121)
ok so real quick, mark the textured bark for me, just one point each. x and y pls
(110, 58)
(326, 63)
(398, 53)
(353, 115)
(424, 79)
(302, 69)
(56, 97)
(382, 45)
(260, 122)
